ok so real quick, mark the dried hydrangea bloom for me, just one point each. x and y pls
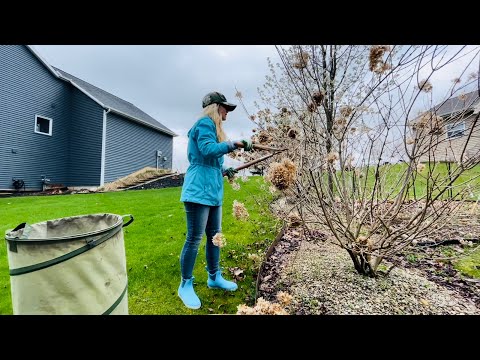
(318, 97)
(235, 185)
(284, 298)
(301, 60)
(238, 95)
(246, 310)
(244, 178)
(311, 107)
(282, 175)
(376, 63)
(264, 137)
(292, 133)
(429, 120)
(332, 157)
(265, 307)
(410, 141)
(425, 86)
(239, 211)
(340, 121)
(219, 240)
(420, 167)
(346, 110)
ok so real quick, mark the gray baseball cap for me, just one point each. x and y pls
(216, 98)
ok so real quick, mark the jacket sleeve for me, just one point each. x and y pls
(207, 140)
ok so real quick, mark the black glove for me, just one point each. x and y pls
(230, 172)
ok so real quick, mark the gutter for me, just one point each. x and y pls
(104, 141)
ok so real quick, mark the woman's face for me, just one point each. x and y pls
(223, 112)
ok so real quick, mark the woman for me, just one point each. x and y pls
(202, 194)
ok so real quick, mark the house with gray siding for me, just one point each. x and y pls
(58, 127)
(450, 129)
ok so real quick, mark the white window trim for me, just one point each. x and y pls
(449, 127)
(50, 126)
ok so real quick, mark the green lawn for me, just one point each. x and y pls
(389, 175)
(154, 240)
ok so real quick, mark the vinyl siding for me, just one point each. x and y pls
(450, 150)
(131, 147)
(28, 88)
(85, 141)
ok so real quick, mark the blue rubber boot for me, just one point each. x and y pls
(216, 281)
(187, 294)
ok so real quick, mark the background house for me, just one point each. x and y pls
(58, 126)
(448, 125)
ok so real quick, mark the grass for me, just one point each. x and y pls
(389, 175)
(469, 265)
(154, 240)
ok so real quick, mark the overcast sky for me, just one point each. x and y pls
(168, 82)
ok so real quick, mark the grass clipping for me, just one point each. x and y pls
(144, 174)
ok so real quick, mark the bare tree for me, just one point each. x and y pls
(366, 140)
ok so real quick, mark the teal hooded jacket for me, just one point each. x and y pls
(203, 183)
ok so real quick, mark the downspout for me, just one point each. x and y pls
(104, 139)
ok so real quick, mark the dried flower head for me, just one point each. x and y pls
(311, 107)
(362, 239)
(282, 175)
(235, 185)
(332, 157)
(463, 97)
(420, 167)
(429, 120)
(252, 117)
(264, 137)
(376, 63)
(346, 110)
(292, 133)
(340, 122)
(239, 211)
(359, 173)
(318, 97)
(425, 85)
(284, 298)
(301, 60)
(262, 307)
(410, 141)
(219, 240)
(238, 95)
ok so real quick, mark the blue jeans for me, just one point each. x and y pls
(200, 219)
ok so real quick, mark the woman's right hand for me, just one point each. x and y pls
(246, 144)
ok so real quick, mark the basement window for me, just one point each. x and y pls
(455, 130)
(43, 125)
